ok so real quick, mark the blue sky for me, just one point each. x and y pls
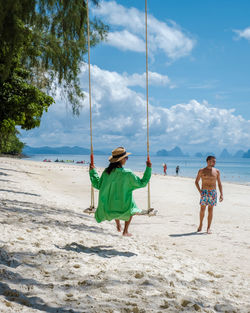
(199, 57)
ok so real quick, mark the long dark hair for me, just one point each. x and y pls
(113, 166)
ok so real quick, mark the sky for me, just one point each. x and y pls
(199, 80)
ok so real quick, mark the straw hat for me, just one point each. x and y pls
(118, 154)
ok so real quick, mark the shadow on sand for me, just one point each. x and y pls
(102, 251)
(3, 174)
(7, 276)
(10, 169)
(45, 215)
(187, 234)
(7, 180)
(10, 260)
(19, 192)
(17, 296)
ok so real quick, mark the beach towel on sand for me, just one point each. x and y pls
(115, 193)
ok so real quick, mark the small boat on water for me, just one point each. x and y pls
(61, 161)
(66, 161)
(46, 160)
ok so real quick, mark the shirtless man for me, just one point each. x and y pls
(208, 175)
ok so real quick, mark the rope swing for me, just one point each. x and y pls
(150, 211)
(146, 40)
(91, 209)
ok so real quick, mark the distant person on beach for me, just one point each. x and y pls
(177, 170)
(115, 186)
(209, 176)
(164, 168)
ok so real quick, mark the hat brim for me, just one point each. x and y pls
(113, 159)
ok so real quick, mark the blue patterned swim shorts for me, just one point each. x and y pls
(208, 197)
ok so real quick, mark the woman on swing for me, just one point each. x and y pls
(115, 190)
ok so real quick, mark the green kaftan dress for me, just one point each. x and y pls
(115, 193)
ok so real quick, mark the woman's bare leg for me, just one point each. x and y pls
(118, 225)
(126, 225)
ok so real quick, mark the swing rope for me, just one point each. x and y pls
(149, 211)
(92, 206)
(146, 37)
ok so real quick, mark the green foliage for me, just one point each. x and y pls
(50, 37)
(14, 18)
(10, 144)
(43, 43)
(21, 103)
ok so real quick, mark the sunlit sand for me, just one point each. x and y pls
(55, 258)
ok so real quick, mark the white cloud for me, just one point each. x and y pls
(125, 40)
(119, 118)
(162, 37)
(154, 78)
(245, 33)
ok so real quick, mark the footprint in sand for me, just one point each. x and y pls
(214, 275)
(185, 303)
(171, 295)
(8, 304)
(146, 283)
(165, 305)
(139, 275)
(196, 307)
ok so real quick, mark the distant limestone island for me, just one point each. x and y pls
(60, 150)
(177, 152)
(246, 154)
(239, 154)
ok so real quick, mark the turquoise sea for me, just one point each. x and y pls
(232, 170)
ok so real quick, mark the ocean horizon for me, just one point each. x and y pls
(235, 170)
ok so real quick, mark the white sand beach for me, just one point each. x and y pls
(55, 258)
